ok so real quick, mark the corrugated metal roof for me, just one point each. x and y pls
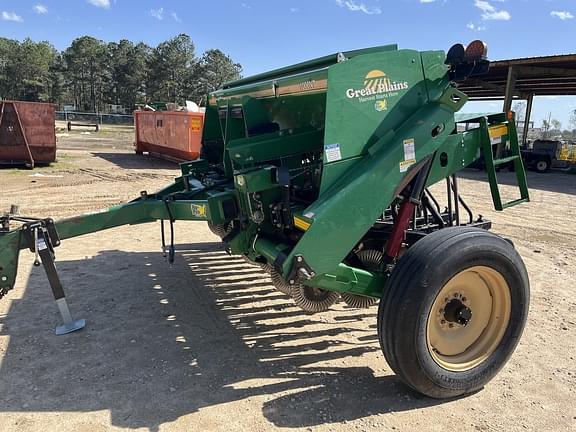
(537, 59)
(542, 76)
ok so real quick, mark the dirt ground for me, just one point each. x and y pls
(210, 345)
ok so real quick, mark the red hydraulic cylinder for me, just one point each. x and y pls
(394, 243)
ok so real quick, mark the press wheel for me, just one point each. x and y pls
(313, 299)
(221, 230)
(279, 283)
(370, 259)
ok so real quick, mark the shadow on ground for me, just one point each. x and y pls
(21, 166)
(130, 160)
(162, 343)
(553, 181)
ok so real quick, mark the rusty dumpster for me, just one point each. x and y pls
(27, 133)
(171, 135)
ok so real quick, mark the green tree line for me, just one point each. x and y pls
(91, 73)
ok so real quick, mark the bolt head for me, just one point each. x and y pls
(299, 259)
(291, 282)
(4, 278)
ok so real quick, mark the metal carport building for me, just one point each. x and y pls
(524, 78)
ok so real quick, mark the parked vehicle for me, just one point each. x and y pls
(545, 155)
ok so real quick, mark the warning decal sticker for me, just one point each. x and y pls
(409, 154)
(196, 125)
(332, 152)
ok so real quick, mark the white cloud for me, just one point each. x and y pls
(476, 27)
(175, 16)
(104, 4)
(427, 1)
(294, 10)
(563, 15)
(353, 6)
(40, 9)
(498, 16)
(157, 13)
(11, 16)
(489, 12)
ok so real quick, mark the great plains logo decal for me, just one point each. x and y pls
(377, 87)
(198, 210)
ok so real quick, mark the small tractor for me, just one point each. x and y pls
(544, 154)
(321, 173)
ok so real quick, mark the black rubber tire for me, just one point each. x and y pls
(542, 166)
(413, 286)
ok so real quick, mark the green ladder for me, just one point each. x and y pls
(492, 163)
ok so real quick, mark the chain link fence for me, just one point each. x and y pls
(95, 118)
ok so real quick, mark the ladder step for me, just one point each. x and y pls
(505, 160)
(515, 202)
(491, 131)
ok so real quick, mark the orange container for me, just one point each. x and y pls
(170, 135)
(27, 133)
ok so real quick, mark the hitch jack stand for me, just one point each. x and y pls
(70, 325)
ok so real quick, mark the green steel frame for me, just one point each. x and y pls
(351, 132)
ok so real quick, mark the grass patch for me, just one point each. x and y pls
(64, 156)
(58, 165)
(14, 171)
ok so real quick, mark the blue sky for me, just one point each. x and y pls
(265, 34)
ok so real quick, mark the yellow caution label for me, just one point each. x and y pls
(301, 224)
(196, 124)
(404, 165)
(498, 131)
